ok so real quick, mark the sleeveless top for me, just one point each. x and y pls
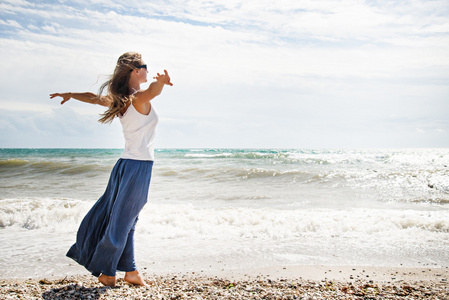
(139, 133)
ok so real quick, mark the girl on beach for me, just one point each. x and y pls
(105, 238)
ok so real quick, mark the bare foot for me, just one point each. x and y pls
(107, 280)
(135, 278)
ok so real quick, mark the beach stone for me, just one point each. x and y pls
(215, 288)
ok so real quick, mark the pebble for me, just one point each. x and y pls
(197, 287)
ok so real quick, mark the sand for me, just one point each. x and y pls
(299, 282)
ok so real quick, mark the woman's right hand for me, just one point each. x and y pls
(65, 96)
(163, 78)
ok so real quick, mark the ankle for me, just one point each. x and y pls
(135, 278)
(132, 273)
(107, 280)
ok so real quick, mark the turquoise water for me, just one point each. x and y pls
(317, 176)
(248, 207)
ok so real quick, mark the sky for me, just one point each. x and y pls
(246, 74)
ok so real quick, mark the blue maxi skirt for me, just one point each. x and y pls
(105, 238)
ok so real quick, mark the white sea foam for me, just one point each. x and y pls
(170, 221)
(42, 213)
(186, 236)
(245, 207)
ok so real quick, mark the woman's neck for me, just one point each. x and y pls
(133, 90)
(133, 85)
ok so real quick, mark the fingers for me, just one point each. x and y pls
(64, 97)
(160, 76)
(55, 95)
(166, 74)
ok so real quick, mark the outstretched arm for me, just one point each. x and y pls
(154, 89)
(83, 97)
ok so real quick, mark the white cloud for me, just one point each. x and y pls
(329, 66)
(11, 23)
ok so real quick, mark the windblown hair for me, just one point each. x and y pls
(118, 85)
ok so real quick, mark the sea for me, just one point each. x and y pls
(234, 209)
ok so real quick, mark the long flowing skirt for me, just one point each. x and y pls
(105, 238)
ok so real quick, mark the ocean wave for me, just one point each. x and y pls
(274, 157)
(427, 186)
(169, 222)
(12, 163)
(205, 155)
(402, 158)
(432, 179)
(176, 220)
(436, 200)
(234, 173)
(373, 176)
(37, 213)
(13, 167)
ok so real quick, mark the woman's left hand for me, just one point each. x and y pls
(163, 78)
(65, 96)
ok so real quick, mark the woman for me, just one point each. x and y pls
(104, 242)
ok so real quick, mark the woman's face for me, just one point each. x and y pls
(142, 73)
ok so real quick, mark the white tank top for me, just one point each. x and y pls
(139, 132)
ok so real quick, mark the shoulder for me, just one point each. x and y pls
(140, 103)
(148, 94)
(139, 97)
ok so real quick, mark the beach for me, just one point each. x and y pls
(301, 282)
(237, 223)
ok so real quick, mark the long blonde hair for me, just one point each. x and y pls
(118, 85)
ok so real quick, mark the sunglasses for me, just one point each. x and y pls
(142, 66)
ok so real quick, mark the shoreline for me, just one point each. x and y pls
(343, 273)
(304, 272)
(319, 282)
